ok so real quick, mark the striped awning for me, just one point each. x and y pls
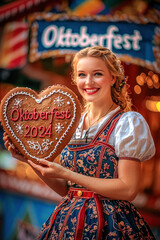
(19, 8)
(14, 45)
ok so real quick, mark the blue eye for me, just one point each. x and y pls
(98, 74)
(81, 75)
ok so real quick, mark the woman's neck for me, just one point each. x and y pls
(97, 111)
(96, 114)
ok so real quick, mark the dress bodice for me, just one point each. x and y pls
(96, 158)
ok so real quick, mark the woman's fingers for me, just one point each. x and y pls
(11, 147)
(5, 138)
(37, 167)
(41, 164)
(7, 141)
(44, 162)
(8, 145)
(16, 154)
(5, 134)
(32, 163)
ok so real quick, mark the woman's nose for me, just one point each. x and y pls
(89, 79)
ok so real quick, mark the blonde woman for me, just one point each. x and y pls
(100, 168)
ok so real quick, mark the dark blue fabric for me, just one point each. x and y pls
(122, 220)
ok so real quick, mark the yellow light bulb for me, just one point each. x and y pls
(158, 106)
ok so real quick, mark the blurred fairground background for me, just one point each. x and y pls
(37, 41)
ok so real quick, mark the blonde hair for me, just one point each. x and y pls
(119, 91)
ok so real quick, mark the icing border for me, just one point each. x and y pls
(39, 101)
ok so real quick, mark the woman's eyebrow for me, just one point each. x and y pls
(95, 70)
(98, 70)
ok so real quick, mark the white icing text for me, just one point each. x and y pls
(64, 37)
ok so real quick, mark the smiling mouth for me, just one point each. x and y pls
(91, 91)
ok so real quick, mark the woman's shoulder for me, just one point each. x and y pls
(132, 118)
(132, 114)
(133, 137)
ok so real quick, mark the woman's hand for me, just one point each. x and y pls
(13, 150)
(48, 169)
(50, 173)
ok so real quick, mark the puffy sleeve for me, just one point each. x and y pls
(133, 137)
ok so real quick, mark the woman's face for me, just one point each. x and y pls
(94, 80)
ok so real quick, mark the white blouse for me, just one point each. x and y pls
(131, 137)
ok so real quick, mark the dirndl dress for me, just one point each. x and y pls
(85, 215)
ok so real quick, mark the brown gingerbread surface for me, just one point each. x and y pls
(40, 125)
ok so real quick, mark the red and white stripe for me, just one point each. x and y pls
(14, 45)
(18, 7)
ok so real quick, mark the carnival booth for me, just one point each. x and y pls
(38, 40)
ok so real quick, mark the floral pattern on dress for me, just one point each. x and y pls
(121, 219)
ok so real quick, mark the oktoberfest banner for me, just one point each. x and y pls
(132, 42)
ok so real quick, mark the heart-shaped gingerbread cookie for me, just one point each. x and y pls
(40, 125)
